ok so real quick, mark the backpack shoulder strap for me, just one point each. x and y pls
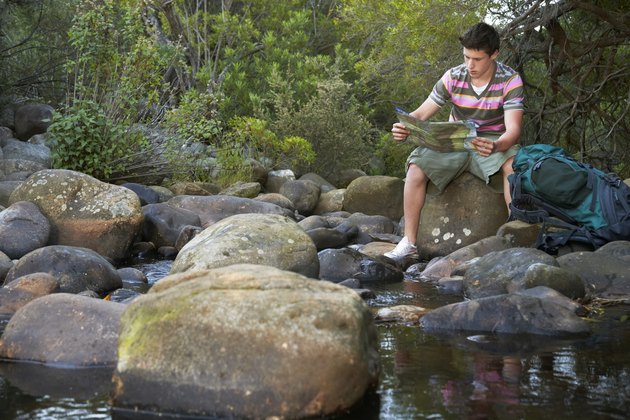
(551, 242)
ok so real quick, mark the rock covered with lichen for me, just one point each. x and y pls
(265, 239)
(246, 341)
(84, 211)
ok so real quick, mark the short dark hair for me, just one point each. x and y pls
(481, 37)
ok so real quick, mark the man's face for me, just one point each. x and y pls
(479, 63)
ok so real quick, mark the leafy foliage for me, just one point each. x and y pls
(250, 139)
(574, 58)
(86, 140)
(33, 48)
(196, 118)
(404, 47)
(115, 80)
(115, 63)
(393, 155)
(323, 71)
(331, 122)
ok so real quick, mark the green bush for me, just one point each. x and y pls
(249, 138)
(393, 154)
(84, 139)
(196, 118)
(331, 121)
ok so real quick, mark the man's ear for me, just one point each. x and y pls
(494, 55)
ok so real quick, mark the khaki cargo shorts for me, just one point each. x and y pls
(442, 168)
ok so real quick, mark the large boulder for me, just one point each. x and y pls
(64, 329)
(24, 289)
(266, 239)
(510, 314)
(163, 223)
(84, 211)
(606, 276)
(330, 201)
(39, 153)
(31, 119)
(211, 209)
(6, 189)
(502, 272)
(337, 265)
(464, 213)
(441, 267)
(23, 228)
(77, 269)
(246, 341)
(375, 195)
(304, 194)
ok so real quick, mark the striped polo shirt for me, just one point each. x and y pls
(503, 92)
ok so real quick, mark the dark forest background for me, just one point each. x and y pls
(306, 84)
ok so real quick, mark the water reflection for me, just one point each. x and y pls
(35, 391)
(486, 376)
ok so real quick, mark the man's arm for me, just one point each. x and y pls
(513, 124)
(423, 112)
(426, 110)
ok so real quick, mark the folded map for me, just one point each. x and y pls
(455, 136)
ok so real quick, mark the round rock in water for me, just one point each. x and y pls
(337, 265)
(265, 239)
(502, 272)
(163, 223)
(76, 269)
(23, 228)
(64, 329)
(246, 341)
(509, 314)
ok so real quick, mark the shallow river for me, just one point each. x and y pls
(423, 375)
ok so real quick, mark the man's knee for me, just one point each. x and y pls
(416, 175)
(506, 168)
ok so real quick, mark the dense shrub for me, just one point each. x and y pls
(249, 138)
(84, 139)
(196, 118)
(393, 155)
(331, 121)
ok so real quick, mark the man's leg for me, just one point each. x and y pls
(414, 194)
(506, 170)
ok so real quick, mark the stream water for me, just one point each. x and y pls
(423, 375)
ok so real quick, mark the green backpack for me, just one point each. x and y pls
(587, 205)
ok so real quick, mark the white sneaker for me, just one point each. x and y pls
(402, 250)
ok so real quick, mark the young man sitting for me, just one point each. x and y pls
(484, 91)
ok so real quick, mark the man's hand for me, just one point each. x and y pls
(399, 132)
(485, 147)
